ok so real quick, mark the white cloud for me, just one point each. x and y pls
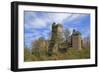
(75, 16)
(35, 21)
(38, 23)
(58, 17)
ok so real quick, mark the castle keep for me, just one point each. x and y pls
(56, 37)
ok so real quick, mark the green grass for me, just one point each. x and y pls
(70, 54)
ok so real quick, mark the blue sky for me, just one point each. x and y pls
(38, 24)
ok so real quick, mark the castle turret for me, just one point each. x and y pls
(76, 40)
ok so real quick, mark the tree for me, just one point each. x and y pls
(86, 43)
(40, 45)
(67, 33)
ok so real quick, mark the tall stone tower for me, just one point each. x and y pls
(56, 37)
(76, 40)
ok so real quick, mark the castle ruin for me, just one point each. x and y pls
(57, 39)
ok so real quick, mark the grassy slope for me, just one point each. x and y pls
(70, 54)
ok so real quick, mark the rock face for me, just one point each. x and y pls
(76, 40)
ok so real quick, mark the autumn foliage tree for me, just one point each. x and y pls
(40, 45)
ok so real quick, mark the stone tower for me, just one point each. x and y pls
(56, 37)
(76, 40)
